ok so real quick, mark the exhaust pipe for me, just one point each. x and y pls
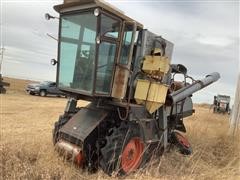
(182, 93)
(70, 151)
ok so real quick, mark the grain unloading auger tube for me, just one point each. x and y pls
(182, 93)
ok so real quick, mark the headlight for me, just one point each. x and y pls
(37, 88)
(96, 12)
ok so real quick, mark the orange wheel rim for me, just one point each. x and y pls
(132, 155)
(183, 140)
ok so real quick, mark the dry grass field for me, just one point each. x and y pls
(26, 150)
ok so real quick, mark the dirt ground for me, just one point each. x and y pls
(26, 150)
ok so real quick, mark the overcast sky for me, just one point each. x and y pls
(205, 36)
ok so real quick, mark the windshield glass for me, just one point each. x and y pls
(44, 83)
(126, 45)
(109, 27)
(77, 51)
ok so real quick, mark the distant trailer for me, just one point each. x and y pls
(221, 104)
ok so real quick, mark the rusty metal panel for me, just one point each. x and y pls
(84, 122)
(156, 65)
(120, 82)
(148, 43)
(70, 1)
(123, 70)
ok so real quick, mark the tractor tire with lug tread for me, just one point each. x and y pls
(124, 149)
(43, 93)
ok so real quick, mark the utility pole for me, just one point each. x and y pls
(1, 60)
(235, 116)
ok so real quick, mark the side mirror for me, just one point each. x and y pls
(54, 62)
(48, 16)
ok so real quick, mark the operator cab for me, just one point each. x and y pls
(95, 49)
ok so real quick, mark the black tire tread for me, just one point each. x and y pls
(111, 152)
(181, 148)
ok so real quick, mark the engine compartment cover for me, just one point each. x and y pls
(84, 122)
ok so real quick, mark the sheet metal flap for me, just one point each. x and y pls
(83, 122)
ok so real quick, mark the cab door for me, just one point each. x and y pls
(124, 62)
(107, 54)
(52, 88)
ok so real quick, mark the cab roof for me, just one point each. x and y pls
(71, 5)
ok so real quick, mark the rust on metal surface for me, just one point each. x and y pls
(70, 151)
(120, 82)
(95, 3)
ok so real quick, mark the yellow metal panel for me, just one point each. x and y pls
(164, 64)
(141, 89)
(152, 94)
(156, 65)
(157, 92)
(157, 50)
(152, 106)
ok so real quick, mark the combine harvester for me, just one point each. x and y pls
(136, 106)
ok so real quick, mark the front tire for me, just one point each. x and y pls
(124, 149)
(131, 156)
(43, 93)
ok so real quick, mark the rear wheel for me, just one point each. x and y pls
(124, 149)
(31, 93)
(181, 143)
